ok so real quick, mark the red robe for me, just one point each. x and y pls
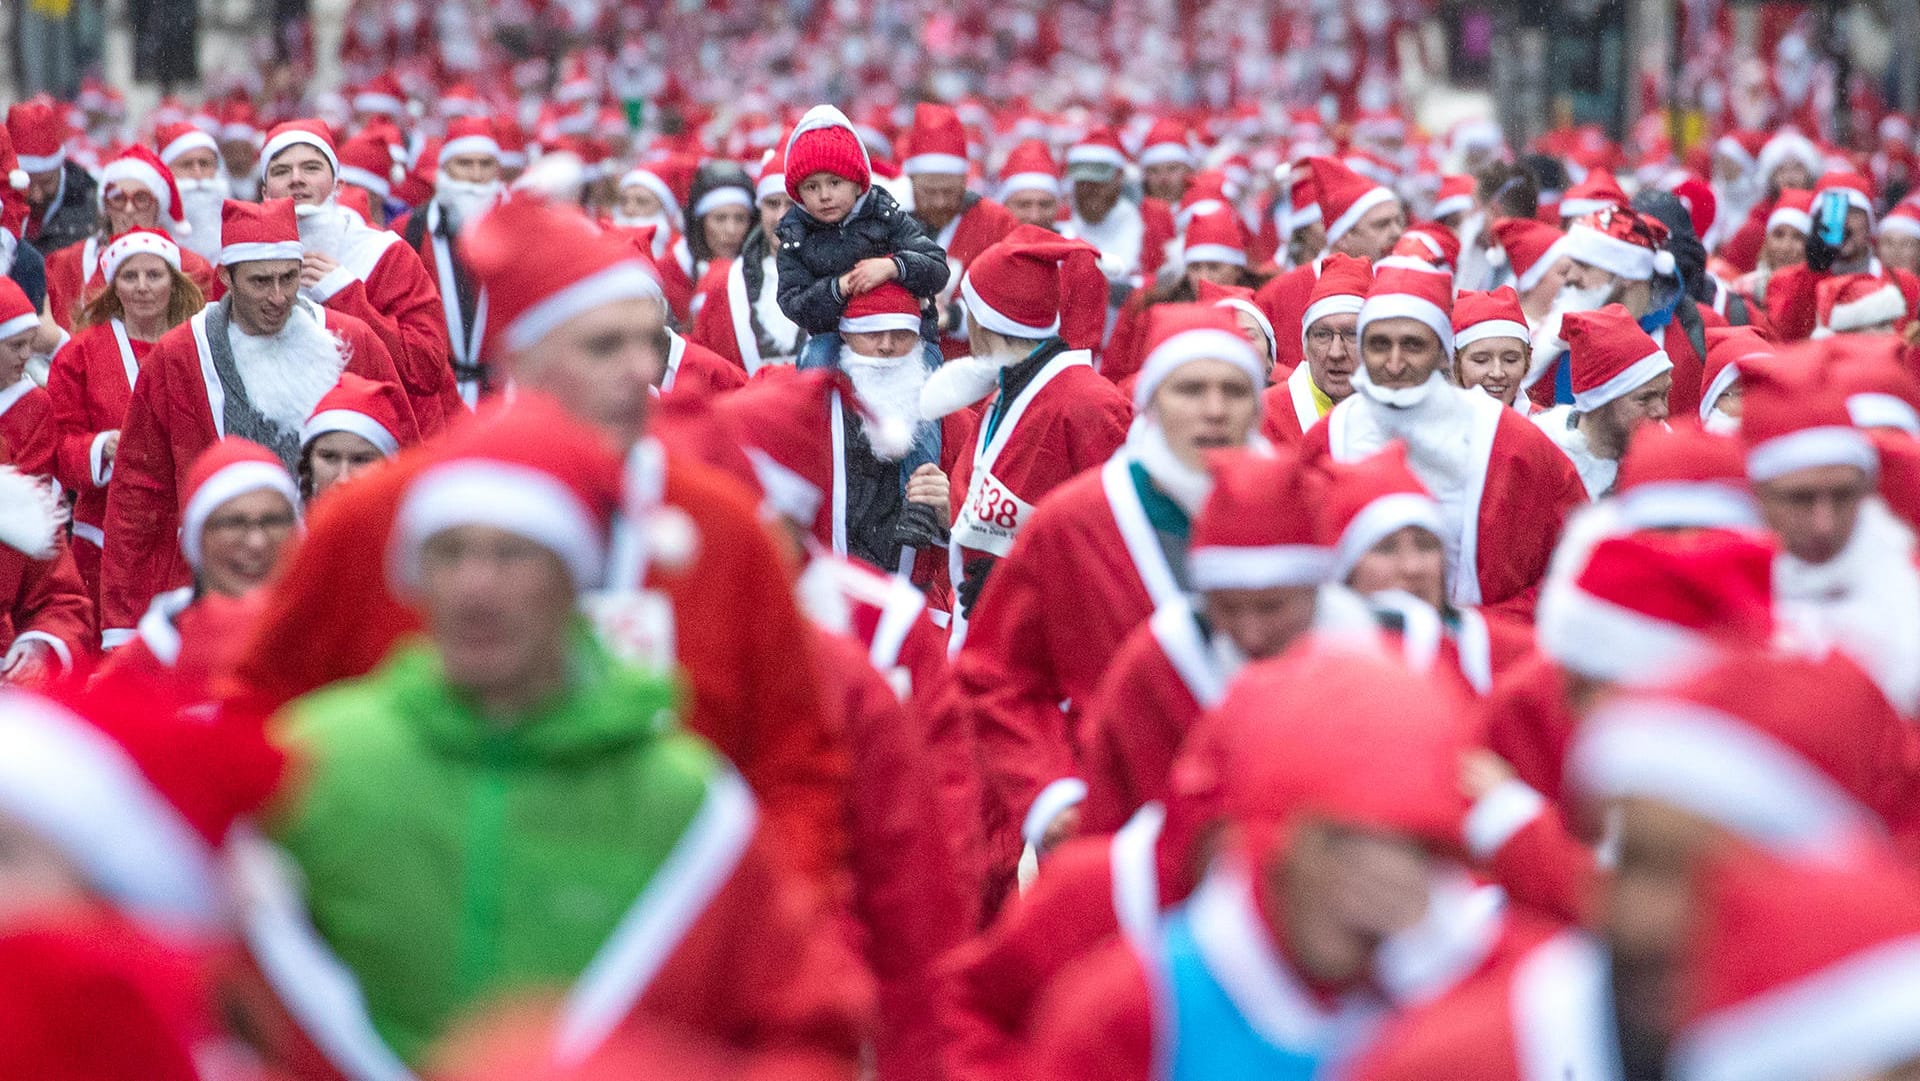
(694, 369)
(1792, 302)
(91, 383)
(722, 320)
(45, 601)
(175, 413)
(1285, 300)
(1157, 231)
(1288, 408)
(184, 645)
(975, 229)
(1525, 844)
(28, 438)
(1517, 493)
(734, 625)
(73, 279)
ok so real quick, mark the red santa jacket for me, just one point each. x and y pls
(734, 626)
(183, 646)
(28, 437)
(980, 224)
(91, 384)
(44, 600)
(1288, 409)
(722, 316)
(1683, 400)
(174, 414)
(1792, 303)
(694, 369)
(73, 279)
(1519, 832)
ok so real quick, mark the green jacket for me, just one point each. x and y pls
(448, 860)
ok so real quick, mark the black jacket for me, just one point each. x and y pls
(75, 218)
(814, 254)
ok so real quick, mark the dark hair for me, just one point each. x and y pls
(709, 177)
(1507, 190)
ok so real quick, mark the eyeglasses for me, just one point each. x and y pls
(140, 200)
(235, 526)
(1323, 337)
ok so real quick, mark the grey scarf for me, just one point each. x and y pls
(242, 419)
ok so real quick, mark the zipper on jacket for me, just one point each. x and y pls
(479, 925)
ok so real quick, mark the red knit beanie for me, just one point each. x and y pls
(824, 142)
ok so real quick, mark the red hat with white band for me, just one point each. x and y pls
(140, 166)
(1620, 242)
(1852, 302)
(1455, 197)
(174, 140)
(1611, 356)
(1182, 333)
(642, 177)
(1013, 288)
(936, 145)
(1857, 189)
(1409, 289)
(369, 408)
(17, 314)
(1167, 143)
(1030, 167)
(1217, 237)
(1257, 530)
(1684, 477)
(1794, 210)
(1793, 416)
(773, 174)
(39, 135)
(530, 293)
(1340, 290)
(469, 135)
(227, 470)
(1480, 316)
(889, 307)
(1345, 196)
(137, 242)
(1599, 191)
(257, 231)
(1369, 501)
(313, 133)
(1097, 157)
(1532, 248)
(1726, 348)
(1902, 220)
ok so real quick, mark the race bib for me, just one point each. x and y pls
(635, 626)
(991, 517)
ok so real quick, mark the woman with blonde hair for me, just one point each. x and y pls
(91, 378)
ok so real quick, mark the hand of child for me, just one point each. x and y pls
(868, 275)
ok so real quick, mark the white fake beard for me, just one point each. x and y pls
(889, 386)
(959, 383)
(463, 199)
(287, 374)
(1572, 298)
(1397, 397)
(636, 221)
(1721, 424)
(1182, 483)
(323, 228)
(200, 201)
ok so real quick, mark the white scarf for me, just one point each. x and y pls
(464, 200)
(286, 374)
(889, 387)
(1177, 480)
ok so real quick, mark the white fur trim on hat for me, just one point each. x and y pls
(1716, 766)
(787, 494)
(1020, 182)
(991, 318)
(1554, 253)
(252, 252)
(368, 179)
(726, 195)
(1166, 154)
(650, 180)
(508, 496)
(297, 137)
(1877, 410)
(1097, 154)
(230, 483)
(1722, 380)
(1381, 519)
(468, 144)
(139, 172)
(43, 163)
(1638, 374)
(1216, 253)
(192, 140)
(1203, 344)
(1408, 306)
(1344, 224)
(1254, 313)
(350, 421)
(625, 280)
(1260, 568)
(1048, 805)
(19, 324)
(132, 244)
(1790, 215)
(770, 184)
(1491, 328)
(1452, 204)
(1622, 259)
(1886, 304)
(1901, 224)
(1601, 640)
(934, 165)
(1338, 304)
(879, 322)
(1687, 505)
(1811, 448)
(1580, 208)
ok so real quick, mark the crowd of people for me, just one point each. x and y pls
(952, 591)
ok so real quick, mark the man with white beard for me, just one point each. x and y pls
(364, 272)
(253, 365)
(195, 160)
(1504, 489)
(468, 185)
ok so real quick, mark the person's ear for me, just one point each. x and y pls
(226, 278)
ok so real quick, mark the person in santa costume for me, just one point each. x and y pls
(964, 223)
(738, 314)
(1786, 241)
(1727, 348)
(1534, 254)
(691, 370)
(697, 584)
(1102, 217)
(647, 199)
(28, 436)
(1621, 380)
(193, 157)
(46, 618)
(1110, 546)
(240, 511)
(1213, 250)
(1898, 243)
(1052, 417)
(665, 889)
(60, 192)
(1847, 577)
(466, 185)
(1504, 489)
(1364, 220)
(1262, 579)
(719, 214)
(1030, 185)
(1238, 302)
(354, 269)
(253, 366)
(1859, 304)
(1330, 348)
(1839, 242)
(135, 190)
(359, 424)
(1492, 345)
(90, 380)
(1332, 901)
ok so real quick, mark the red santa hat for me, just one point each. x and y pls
(174, 140)
(381, 96)
(1801, 970)
(257, 231)
(1611, 356)
(513, 141)
(461, 99)
(936, 145)
(1303, 201)
(1881, 392)
(1236, 298)
(1369, 501)
(1407, 289)
(17, 178)
(1480, 316)
(529, 468)
(140, 166)
(643, 176)
(313, 133)
(1648, 608)
(1741, 146)
(772, 177)
(240, 123)
(1532, 248)
(1013, 288)
(39, 135)
(1794, 210)
(1030, 167)
(1432, 244)
(1902, 220)
(824, 142)
(1344, 196)
(227, 470)
(1726, 348)
(1341, 289)
(1702, 208)
(1098, 156)
(1850, 302)
(1857, 189)
(140, 803)
(367, 162)
(1455, 196)
(1599, 191)
(136, 242)
(1256, 528)
(468, 135)
(781, 419)
(369, 408)
(1787, 752)
(1179, 334)
(17, 313)
(575, 269)
(1793, 416)
(1684, 477)
(1620, 242)
(1167, 143)
(889, 307)
(1217, 237)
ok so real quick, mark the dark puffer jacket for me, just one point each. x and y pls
(813, 255)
